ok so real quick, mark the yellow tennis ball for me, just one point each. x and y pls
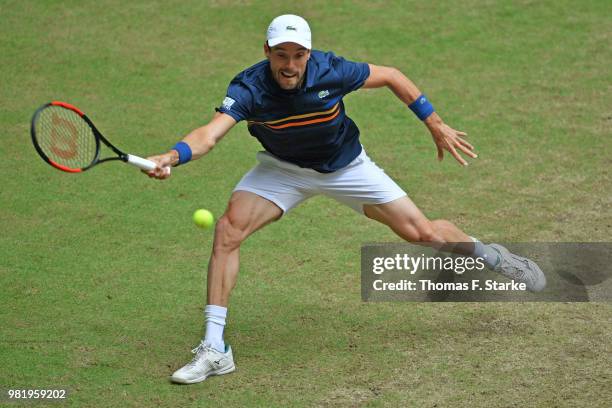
(203, 218)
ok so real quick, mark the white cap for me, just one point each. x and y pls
(289, 28)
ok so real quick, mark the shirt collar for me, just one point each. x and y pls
(310, 73)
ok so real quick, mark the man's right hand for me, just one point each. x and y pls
(164, 163)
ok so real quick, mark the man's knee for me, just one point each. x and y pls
(426, 232)
(422, 231)
(229, 232)
(405, 219)
(442, 225)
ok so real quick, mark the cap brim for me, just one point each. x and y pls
(280, 40)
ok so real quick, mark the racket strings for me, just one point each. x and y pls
(65, 137)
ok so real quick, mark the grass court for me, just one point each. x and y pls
(103, 273)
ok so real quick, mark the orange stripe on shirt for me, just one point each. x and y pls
(304, 123)
(306, 115)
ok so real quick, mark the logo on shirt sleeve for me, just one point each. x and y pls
(228, 102)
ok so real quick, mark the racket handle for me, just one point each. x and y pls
(143, 164)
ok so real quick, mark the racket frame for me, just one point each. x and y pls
(126, 158)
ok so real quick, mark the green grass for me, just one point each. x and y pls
(102, 274)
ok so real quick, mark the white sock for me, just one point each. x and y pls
(215, 323)
(489, 255)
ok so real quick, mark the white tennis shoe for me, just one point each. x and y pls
(519, 269)
(206, 362)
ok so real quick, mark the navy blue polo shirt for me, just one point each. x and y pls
(307, 126)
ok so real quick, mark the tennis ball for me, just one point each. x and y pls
(203, 218)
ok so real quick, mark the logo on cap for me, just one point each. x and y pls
(292, 28)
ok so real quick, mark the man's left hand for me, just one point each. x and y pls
(447, 138)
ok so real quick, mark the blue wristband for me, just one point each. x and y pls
(184, 152)
(421, 107)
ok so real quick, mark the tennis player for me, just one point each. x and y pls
(292, 102)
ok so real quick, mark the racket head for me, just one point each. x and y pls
(64, 137)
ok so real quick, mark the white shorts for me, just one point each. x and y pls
(287, 185)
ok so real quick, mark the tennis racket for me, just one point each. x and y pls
(68, 140)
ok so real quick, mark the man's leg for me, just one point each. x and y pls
(246, 213)
(408, 222)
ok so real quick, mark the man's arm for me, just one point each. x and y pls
(200, 141)
(445, 137)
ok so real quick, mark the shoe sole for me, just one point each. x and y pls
(200, 379)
